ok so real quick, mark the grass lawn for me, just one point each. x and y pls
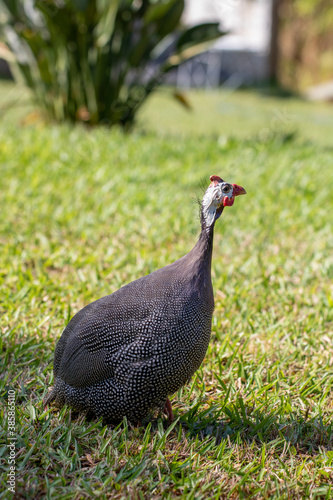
(85, 211)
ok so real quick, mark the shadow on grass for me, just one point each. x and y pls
(236, 422)
(247, 424)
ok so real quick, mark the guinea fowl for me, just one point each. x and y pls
(126, 353)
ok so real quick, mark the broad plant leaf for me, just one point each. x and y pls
(199, 34)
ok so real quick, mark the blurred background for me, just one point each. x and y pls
(96, 61)
(286, 42)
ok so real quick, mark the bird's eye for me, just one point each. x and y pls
(226, 189)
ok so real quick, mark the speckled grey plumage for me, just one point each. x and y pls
(125, 353)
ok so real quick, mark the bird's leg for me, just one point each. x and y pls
(168, 411)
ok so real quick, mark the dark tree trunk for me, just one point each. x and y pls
(274, 46)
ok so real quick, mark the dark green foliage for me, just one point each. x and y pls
(97, 61)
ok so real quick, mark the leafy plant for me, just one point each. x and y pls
(98, 60)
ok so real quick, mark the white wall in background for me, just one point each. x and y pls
(249, 21)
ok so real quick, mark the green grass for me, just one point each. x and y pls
(85, 211)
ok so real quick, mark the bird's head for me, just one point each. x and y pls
(218, 195)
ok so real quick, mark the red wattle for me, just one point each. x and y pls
(228, 202)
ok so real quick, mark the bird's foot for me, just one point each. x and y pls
(168, 411)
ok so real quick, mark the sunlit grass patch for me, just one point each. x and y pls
(86, 211)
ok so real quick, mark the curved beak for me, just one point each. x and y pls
(238, 190)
